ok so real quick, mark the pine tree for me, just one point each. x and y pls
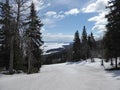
(91, 46)
(84, 44)
(2, 38)
(9, 28)
(76, 47)
(93, 41)
(2, 63)
(20, 13)
(5, 22)
(112, 36)
(34, 41)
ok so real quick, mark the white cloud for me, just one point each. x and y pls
(100, 21)
(50, 13)
(74, 11)
(44, 6)
(39, 4)
(98, 18)
(57, 37)
(49, 22)
(96, 6)
(59, 16)
(101, 28)
(62, 14)
(69, 3)
(51, 17)
(99, 36)
(54, 15)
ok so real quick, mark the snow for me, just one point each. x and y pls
(66, 76)
(48, 46)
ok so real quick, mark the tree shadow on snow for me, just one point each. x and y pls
(79, 62)
(114, 72)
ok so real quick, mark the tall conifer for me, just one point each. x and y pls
(34, 40)
(5, 21)
(84, 44)
(76, 47)
(112, 36)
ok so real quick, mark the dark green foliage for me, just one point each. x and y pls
(84, 36)
(5, 21)
(11, 44)
(10, 39)
(91, 46)
(85, 49)
(18, 62)
(76, 47)
(34, 39)
(112, 36)
(84, 44)
(91, 42)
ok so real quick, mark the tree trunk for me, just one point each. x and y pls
(102, 63)
(111, 62)
(29, 63)
(29, 55)
(91, 55)
(116, 66)
(11, 56)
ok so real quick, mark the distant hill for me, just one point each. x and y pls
(51, 47)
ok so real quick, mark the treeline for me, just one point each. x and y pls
(110, 44)
(20, 37)
(84, 47)
(81, 48)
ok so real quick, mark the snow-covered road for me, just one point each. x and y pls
(66, 76)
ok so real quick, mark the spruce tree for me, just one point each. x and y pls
(93, 41)
(2, 63)
(84, 44)
(91, 46)
(34, 41)
(12, 57)
(5, 22)
(112, 36)
(76, 47)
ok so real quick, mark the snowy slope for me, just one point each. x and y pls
(66, 76)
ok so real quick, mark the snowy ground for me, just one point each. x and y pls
(66, 76)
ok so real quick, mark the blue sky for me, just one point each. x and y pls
(62, 18)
